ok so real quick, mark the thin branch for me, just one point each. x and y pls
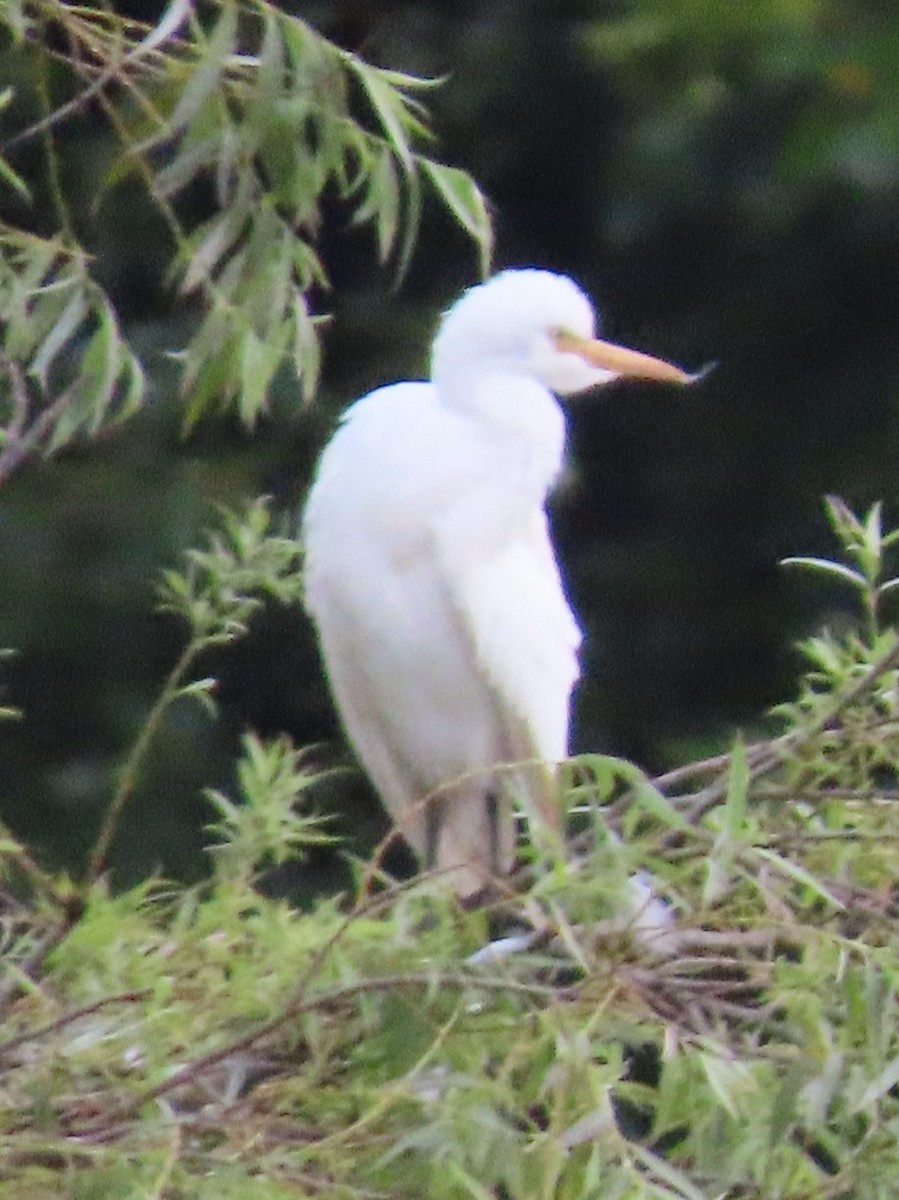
(825, 793)
(86, 1010)
(702, 766)
(134, 761)
(19, 391)
(767, 757)
(192, 1070)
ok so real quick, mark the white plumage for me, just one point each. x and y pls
(447, 638)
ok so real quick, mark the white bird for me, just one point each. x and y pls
(447, 638)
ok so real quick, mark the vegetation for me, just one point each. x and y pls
(190, 1041)
(186, 1040)
(256, 107)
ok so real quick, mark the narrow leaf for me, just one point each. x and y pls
(100, 367)
(678, 1183)
(70, 320)
(887, 1079)
(410, 225)
(800, 874)
(15, 181)
(387, 103)
(169, 23)
(219, 235)
(13, 16)
(258, 362)
(737, 790)
(653, 801)
(466, 202)
(386, 195)
(212, 61)
(307, 348)
(827, 567)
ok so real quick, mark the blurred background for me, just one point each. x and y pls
(723, 179)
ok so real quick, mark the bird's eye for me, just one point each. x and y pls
(561, 337)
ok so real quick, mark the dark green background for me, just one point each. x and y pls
(723, 179)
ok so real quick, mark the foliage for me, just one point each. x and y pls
(211, 1041)
(272, 121)
(216, 595)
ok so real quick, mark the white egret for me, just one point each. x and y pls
(447, 638)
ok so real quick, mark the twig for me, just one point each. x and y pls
(135, 759)
(42, 1031)
(828, 835)
(820, 795)
(368, 906)
(770, 755)
(702, 766)
(191, 1071)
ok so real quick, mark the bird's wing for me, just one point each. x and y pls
(420, 715)
(362, 713)
(512, 607)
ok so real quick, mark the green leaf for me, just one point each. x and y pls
(13, 179)
(211, 244)
(99, 368)
(466, 202)
(205, 77)
(207, 378)
(887, 1079)
(132, 386)
(259, 359)
(191, 160)
(69, 322)
(173, 17)
(468, 1184)
(677, 1184)
(651, 800)
(200, 689)
(796, 871)
(12, 13)
(411, 224)
(872, 527)
(731, 818)
(734, 811)
(270, 75)
(825, 566)
(386, 198)
(307, 347)
(388, 104)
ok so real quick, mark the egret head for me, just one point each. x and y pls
(539, 325)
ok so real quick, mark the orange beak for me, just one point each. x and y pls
(621, 361)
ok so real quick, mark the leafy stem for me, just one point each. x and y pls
(172, 689)
(864, 545)
(216, 595)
